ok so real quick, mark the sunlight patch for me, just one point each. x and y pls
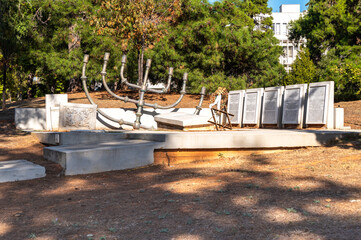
(282, 215)
(68, 187)
(188, 237)
(4, 228)
(192, 185)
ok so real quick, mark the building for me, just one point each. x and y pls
(281, 20)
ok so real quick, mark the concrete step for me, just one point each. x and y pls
(102, 157)
(17, 170)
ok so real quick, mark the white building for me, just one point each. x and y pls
(281, 20)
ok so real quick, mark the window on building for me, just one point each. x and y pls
(284, 29)
(278, 28)
(273, 27)
(290, 51)
(284, 52)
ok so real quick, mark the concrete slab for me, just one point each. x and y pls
(102, 157)
(182, 119)
(17, 170)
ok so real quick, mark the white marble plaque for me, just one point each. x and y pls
(75, 116)
(252, 106)
(52, 103)
(316, 105)
(272, 100)
(235, 105)
(319, 108)
(293, 104)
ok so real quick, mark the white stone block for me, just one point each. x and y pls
(17, 170)
(339, 118)
(52, 103)
(182, 119)
(30, 118)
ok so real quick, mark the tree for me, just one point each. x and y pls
(329, 24)
(138, 23)
(220, 45)
(11, 30)
(303, 69)
(333, 33)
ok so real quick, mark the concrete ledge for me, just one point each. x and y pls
(82, 152)
(251, 138)
(17, 170)
(102, 157)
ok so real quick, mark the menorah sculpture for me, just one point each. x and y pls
(142, 90)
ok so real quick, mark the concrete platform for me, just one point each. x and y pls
(82, 152)
(237, 139)
(101, 157)
(18, 170)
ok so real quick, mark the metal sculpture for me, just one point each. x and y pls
(140, 103)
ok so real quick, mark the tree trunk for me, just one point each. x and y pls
(30, 85)
(4, 86)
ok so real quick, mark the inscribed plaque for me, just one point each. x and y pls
(235, 105)
(270, 111)
(292, 106)
(316, 105)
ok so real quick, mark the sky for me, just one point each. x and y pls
(275, 4)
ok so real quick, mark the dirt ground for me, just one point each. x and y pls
(307, 193)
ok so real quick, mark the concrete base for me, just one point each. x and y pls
(102, 157)
(17, 170)
(79, 152)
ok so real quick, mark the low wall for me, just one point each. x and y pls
(35, 118)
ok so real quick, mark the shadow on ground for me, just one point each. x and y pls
(299, 194)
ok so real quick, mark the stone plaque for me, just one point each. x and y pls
(77, 116)
(319, 108)
(252, 106)
(272, 99)
(293, 104)
(235, 105)
(316, 105)
(52, 103)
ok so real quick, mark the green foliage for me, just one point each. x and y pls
(220, 45)
(303, 69)
(343, 65)
(333, 33)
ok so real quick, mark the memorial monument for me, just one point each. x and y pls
(140, 103)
